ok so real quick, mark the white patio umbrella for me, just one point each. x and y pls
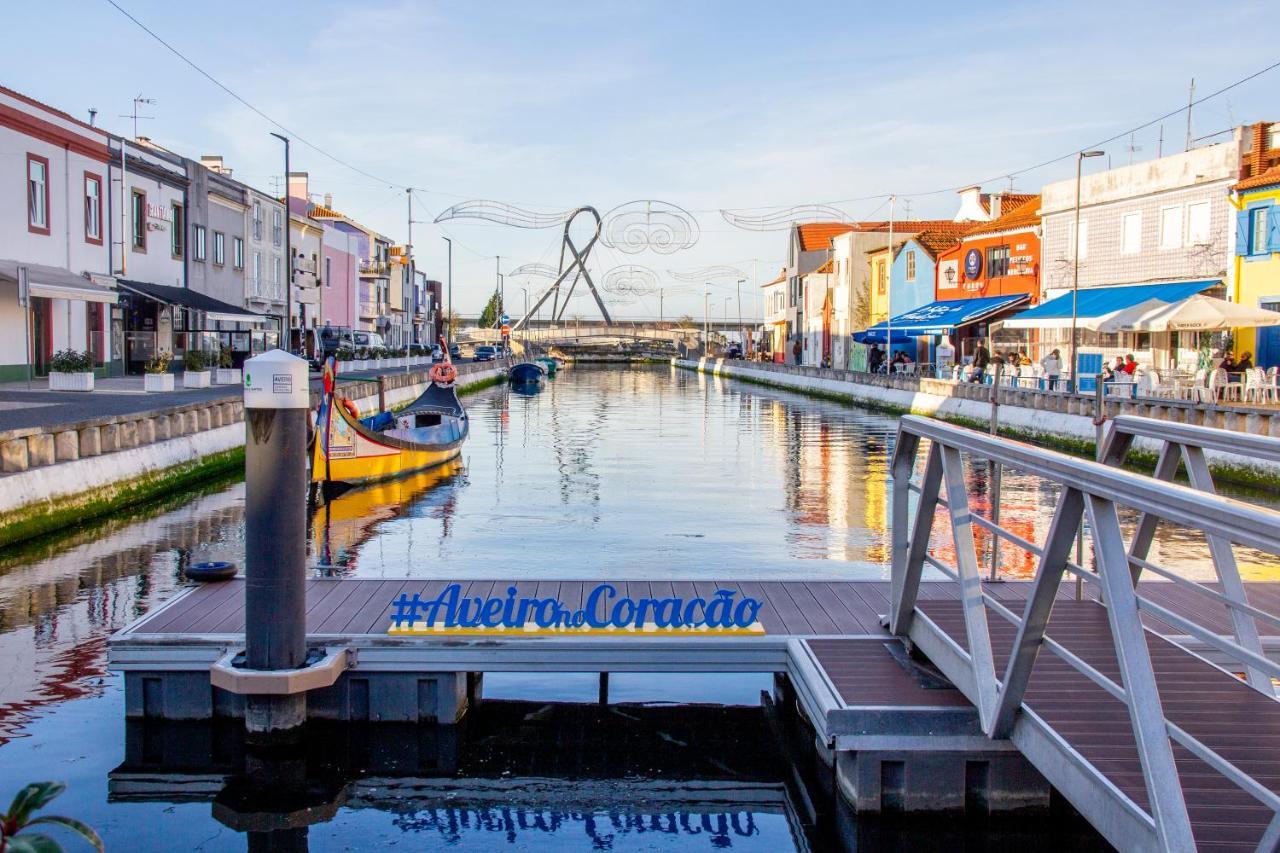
(1194, 314)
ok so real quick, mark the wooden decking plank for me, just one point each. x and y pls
(372, 617)
(820, 621)
(337, 620)
(200, 599)
(832, 596)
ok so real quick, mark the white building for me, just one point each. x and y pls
(57, 227)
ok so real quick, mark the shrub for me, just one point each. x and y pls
(71, 361)
(224, 357)
(345, 354)
(195, 361)
(160, 362)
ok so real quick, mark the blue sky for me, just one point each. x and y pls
(701, 104)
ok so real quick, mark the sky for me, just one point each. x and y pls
(704, 105)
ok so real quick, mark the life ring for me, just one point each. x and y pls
(351, 408)
(207, 572)
(443, 373)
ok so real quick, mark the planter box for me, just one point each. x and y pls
(70, 381)
(358, 364)
(227, 376)
(195, 379)
(157, 382)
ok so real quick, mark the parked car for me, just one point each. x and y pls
(362, 342)
(437, 353)
(486, 353)
(733, 351)
(455, 352)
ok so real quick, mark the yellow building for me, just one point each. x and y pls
(878, 261)
(1257, 261)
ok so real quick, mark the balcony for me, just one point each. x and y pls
(375, 268)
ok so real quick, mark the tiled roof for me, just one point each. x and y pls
(782, 276)
(816, 236)
(1266, 179)
(1022, 216)
(904, 226)
(320, 212)
(824, 269)
(1008, 201)
(938, 240)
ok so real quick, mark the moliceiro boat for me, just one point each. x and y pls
(350, 450)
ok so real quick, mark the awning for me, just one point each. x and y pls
(57, 283)
(1194, 314)
(940, 318)
(214, 309)
(1094, 305)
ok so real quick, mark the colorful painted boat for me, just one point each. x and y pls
(527, 373)
(350, 450)
(549, 363)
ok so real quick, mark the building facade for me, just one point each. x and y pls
(55, 220)
(999, 257)
(1256, 258)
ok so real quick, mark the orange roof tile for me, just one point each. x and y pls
(1022, 216)
(1008, 201)
(782, 276)
(826, 268)
(816, 236)
(935, 241)
(320, 212)
(1266, 179)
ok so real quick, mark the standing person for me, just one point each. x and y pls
(1052, 364)
(875, 358)
(796, 350)
(981, 358)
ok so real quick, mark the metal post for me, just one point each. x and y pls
(276, 401)
(888, 294)
(706, 317)
(994, 474)
(1075, 268)
(24, 302)
(288, 254)
(604, 688)
(448, 315)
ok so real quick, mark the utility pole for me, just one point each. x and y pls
(742, 331)
(1191, 98)
(497, 269)
(706, 316)
(408, 266)
(288, 254)
(448, 315)
(660, 290)
(888, 293)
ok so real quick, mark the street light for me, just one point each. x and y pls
(1075, 271)
(448, 316)
(288, 254)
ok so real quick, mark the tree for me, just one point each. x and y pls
(686, 322)
(492, 311)
(453, 320)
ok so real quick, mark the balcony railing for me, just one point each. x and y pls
(374, 268)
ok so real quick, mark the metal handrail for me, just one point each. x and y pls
(1097, 489)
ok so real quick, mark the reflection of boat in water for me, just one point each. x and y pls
(527, 373)
(350, 450)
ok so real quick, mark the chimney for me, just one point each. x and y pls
(212, 162)
(328, 201)
(298, 185)
(996, 200)
(971, 209)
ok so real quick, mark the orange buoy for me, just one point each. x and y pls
(443, 373)
(351, 408)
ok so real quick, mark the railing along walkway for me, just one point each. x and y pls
(1159, 748)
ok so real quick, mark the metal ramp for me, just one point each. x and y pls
(1157, 747)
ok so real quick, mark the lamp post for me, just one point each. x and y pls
(288, 254)
(448, 316)
(1075, 266)
(706, 316)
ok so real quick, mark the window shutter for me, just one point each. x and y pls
(1273, 227)
(1242, 232)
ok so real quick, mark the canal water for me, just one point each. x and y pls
(623, 472)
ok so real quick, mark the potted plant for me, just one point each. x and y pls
(70, 370)
(158, 377)
(226, 374)
(195, 372)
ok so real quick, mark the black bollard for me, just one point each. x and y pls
(277, 404)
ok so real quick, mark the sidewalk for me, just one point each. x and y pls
(39, 407)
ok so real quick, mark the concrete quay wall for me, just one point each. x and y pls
(51, 476)
(1048, 417)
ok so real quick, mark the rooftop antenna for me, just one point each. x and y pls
(93, 116)
(1131, 147)
(134, 115)
(1191, 97)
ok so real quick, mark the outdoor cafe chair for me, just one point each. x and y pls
(1224, 388)
(1200, 391)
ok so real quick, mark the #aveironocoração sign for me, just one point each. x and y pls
(604, 612)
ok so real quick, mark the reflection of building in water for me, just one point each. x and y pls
(57, 610)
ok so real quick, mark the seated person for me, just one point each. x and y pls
(1245, 362)
(1228, 364)
(1130, 365)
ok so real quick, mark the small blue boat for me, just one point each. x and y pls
(527, 373)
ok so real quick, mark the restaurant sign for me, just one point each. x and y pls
(604, 612)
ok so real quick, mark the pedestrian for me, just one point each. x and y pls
(796, 350)
(981, 358)
(1052, 364)
(875, 358)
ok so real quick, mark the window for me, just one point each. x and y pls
(277, 230)
(911, 266)
(197, 243)
(139, 221)
(1258, 231)
(93, 208)
(1198, 224)
(1170, 227)
(1131, 233)
(1084, 239)
(93, 332)
(257, 273)
(275, 277)
(37, 194)
(881, 278)
(176, 231)
(237, 252)
(997, 261)
(257, 220)
(328, 272)
(219, 248)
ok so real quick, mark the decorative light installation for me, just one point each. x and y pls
(707, 273)
(504, 214)
(539, 270)
(784, 218)
(630, 280)
(647, 224)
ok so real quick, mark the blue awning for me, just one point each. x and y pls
(940, 318)
(1095, 304)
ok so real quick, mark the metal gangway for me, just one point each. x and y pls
(1125, 706)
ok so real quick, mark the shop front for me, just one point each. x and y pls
(174, 320)
(52, 309)
(957, 325)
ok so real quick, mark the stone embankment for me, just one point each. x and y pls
(57, 474)
(1054, 418)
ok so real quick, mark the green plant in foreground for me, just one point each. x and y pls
(71, 361)
(35, 796)
(195, 361)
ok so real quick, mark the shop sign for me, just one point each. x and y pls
(604, 612)
(972, 263)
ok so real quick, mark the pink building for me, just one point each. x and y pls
(341, 280)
